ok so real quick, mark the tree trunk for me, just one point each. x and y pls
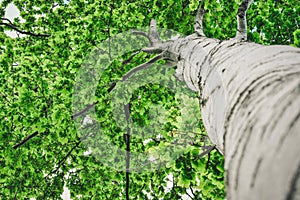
(250, 100)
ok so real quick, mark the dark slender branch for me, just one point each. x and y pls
(198, 27)
(62, 161)
(241, 33)
(192, 191)
(210, 148)
(127, 141)
(141, 190)
(142, 34)
(12, 26)
(112, 86)
(207, 149)
(189, 195)
(6, 19)
(25, 140)
(86, 127)
(143, 66)
(87, 108)
(90, 106)
(73, 117)
(124, 62)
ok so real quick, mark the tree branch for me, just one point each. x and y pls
(198, 27)
(241, 33)
(6, 19)
(207, 149)
(152, 50)
(156, 45)
(12, 26)
(124, 62)
(143, 66)
(62, 161)
(124, 78)
(127, 141)
(141, 33)
(154, 38)
(25, 140)
(192, 191)
(153, 34)
(87, 108)
(189, 194)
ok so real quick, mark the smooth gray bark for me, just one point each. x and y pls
(250, 100)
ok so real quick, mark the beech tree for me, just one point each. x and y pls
(247, 88)
(249, 96)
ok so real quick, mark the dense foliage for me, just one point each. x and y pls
(37, 78)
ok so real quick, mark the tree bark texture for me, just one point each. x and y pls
(250, 101)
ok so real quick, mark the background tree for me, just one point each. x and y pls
(39, 142)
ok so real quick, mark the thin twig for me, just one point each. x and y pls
(62, 161)
(189, 195)
(124, 62)
(12, 26)
(87, 108)
(192, 191)
(207, 149)
(143, 66)
(90, 106)
(141, 33)
(127, 141)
